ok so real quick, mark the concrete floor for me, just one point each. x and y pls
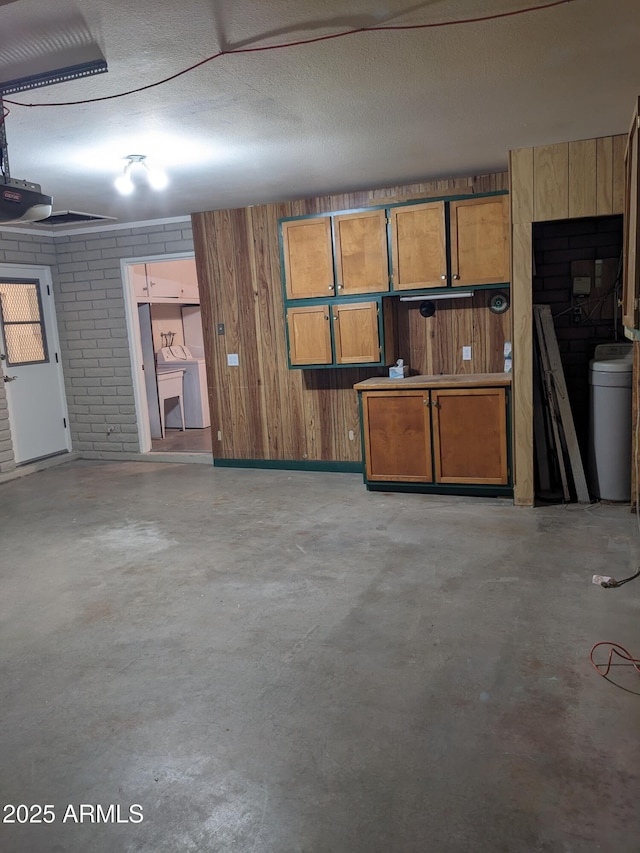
(281, 662)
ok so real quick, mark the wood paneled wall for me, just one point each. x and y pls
(564, 181)
(433, 345)
(263, 410)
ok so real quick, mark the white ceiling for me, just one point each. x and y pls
(366, 110)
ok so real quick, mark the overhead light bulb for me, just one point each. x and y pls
(124, 184)
(158, 179)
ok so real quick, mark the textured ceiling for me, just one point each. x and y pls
(366, 110)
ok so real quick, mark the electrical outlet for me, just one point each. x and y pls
(577, 314)
(466, 353)
(220, 328)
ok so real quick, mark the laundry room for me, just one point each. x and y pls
(170, 349)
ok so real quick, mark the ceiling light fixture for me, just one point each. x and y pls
(156, 177)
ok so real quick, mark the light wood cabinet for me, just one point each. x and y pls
(355, 332)
(341, 333)
(397, 432)
(418, 246)
(479, 233)
(444, 432)
(470, 435)
(309, 335)
(361, 252)
(308, 258)
(631, 278)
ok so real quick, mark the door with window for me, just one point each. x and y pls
(30, 364)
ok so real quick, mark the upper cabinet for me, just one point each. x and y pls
(361, 252)
(308, 258)
(339, 270)
(405, 247)
(166, 281)
(479, 229)
(418, 246)
(631, 279)
(359, 241)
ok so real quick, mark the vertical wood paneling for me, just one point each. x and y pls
(569, 180)
(551, 182)
(521, 310)
(619, 146)
(521, 175)
(582, 178)
(604, 176)
(263, 409)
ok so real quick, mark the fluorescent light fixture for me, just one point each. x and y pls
(431, 297)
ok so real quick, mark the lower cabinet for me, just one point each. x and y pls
(436, 436)
(341, 333)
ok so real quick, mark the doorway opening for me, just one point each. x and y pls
(578, 273)
(166, 340)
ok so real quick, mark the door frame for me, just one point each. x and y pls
(43, 274)
(135, 343)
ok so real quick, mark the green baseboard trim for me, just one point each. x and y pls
(444, 489)
(291, 465)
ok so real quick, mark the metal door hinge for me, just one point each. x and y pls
(64, 421)
(48, 291)
(57, 360)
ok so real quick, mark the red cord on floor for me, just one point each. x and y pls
(616, 649)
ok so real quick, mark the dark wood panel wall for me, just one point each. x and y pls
(263, 410)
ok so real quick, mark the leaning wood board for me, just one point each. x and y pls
(550, 341)
(551, 402)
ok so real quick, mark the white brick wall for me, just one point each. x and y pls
(89, 299)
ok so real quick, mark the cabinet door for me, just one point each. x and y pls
(631, 288)
(308, 258)
(309, 335)
(162, 280)
(397, 434)
(470, 435)
(479, 241)
(418, 246)
(361, 252)
(355, 332)
(139, 277)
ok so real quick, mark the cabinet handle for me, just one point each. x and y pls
(340, 286)
(443, 277)
(330, 287)
(326, 316)
(456, 276)
(335, 316)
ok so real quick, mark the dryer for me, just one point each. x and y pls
(196, 405)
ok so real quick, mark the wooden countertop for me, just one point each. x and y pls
(457, 380)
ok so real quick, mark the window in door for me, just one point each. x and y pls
(21, 314)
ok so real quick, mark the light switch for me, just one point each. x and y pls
(232, 359)
(466, 353)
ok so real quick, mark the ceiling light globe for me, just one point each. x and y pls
(158, 179)
(124, 185)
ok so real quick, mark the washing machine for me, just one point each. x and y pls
(195, 398)
(610, 428)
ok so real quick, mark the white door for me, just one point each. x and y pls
(30, 364)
